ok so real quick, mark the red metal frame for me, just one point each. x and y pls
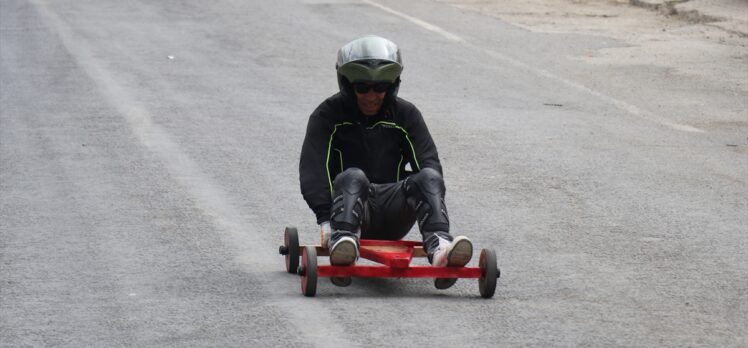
(395, 258)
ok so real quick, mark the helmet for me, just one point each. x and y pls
(369, 59)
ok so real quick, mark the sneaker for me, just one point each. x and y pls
(341, 281)
(343, 248)
(451, 254)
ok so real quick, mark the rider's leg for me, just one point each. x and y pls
(350, 191)
(425, 191)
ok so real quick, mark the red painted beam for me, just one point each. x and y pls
(361, 271)
(374, 242)
(397, 257)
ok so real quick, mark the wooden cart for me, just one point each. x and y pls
(393, 258)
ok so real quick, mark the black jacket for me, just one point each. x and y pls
(339, 137)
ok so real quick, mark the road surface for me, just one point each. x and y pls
(149, 163)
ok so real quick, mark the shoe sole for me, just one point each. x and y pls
(459, 256)
(343, 253)
(341, 281)
(461, 253)
(444, 283)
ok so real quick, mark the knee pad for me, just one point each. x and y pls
(426, 191)
(350, 191)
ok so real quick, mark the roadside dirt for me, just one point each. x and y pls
(653, 38)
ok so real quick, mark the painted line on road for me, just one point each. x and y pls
(628, 107)
(253, 253)
(421, 23)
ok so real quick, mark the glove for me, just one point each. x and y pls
(324, 233)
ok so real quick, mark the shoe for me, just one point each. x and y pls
(341, 281)
(343, 247)
(451, 254)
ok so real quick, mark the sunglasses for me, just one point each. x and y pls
(363, 88)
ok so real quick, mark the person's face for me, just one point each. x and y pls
(370, 96)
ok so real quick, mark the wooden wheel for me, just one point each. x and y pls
(290, 249)
(489, 273)
(308, 271)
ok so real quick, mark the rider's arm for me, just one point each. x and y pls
(426, 155)
(315, 186)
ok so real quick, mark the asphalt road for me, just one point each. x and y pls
(148, 165)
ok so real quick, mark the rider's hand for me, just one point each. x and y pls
(324, 232)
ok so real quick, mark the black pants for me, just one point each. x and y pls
(387, 214)
(388, 211)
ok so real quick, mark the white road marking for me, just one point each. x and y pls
(252, 254)
(421, 23)
(630, 108)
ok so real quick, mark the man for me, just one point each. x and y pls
(353, 168)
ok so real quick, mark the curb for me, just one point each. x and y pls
(665, 7)
(692, 14)
(669, 8)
